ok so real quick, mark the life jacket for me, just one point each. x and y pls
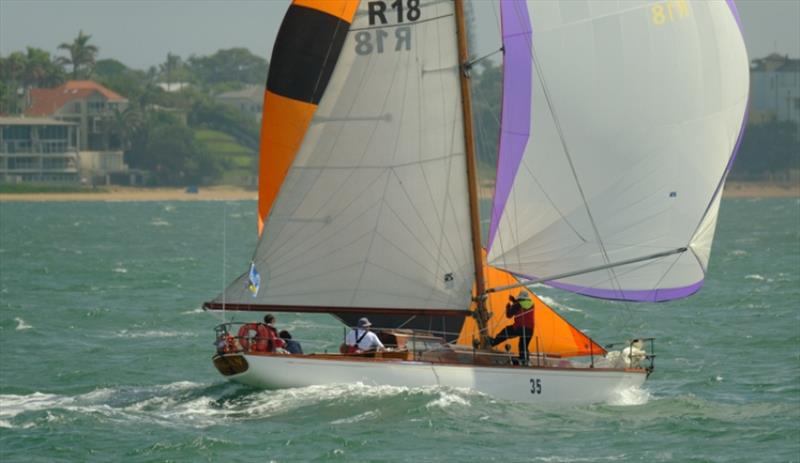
(273, 341)
(261, 338)
(523, 318)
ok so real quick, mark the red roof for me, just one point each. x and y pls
(46, 101)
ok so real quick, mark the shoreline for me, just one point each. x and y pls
(232, 193)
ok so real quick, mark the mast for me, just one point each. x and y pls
(481, 314)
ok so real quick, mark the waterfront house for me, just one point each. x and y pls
(775, 89)
(95, 110)
(249, 100)
(36, 149)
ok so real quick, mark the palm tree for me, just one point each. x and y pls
(40, 70)
(81, 54)
(12, 69)
(172, 64)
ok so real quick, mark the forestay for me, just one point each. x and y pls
(373, 209)
(620, 120)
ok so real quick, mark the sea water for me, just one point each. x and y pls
(105, 355)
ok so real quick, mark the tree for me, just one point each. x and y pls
(767, 150)
(11, 74)
(168, 148)
(173, 69)
(231, 65)
(81, 55)
(40, 70)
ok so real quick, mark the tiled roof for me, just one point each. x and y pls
(46, 101)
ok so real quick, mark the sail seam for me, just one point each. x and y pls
(392, 26)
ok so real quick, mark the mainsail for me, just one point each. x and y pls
(363, 197)
(620, 120)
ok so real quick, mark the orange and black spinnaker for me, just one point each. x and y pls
(305, 53)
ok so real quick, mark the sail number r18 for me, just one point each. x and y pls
(404, 11)
(536, 386)
(377, 11)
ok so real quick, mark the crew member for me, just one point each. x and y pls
(520, 309)
(362, 339)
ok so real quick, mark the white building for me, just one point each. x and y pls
(95, 110)
(249, 100)
(38, 150)
(775, 89)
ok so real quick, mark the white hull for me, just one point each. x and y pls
(537, 385)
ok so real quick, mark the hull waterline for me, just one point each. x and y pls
(537, 385)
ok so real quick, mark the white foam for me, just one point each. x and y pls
(559, 459)
(755, 277)
(12, 405)
(120, 270)
(739, 252)
(153, 334)
(21, 325)
(193, 311)
(368, 415)
(558, 305)
(446, 400)
(158, 222)
(630, 396)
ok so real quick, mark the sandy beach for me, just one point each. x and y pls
(231, 193)
(118, 193)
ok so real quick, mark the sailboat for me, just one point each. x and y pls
(620, 122)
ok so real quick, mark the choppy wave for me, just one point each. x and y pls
(153, 334)
(558, 305)
(193, 311)
(21, 325)
(191, 404)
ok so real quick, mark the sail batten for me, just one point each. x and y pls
(627, 146)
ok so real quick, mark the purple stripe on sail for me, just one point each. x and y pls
(735, 12)
(632, 295)
(657, 295)
(718, 190)
(515, 120)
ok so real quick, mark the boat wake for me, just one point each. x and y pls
(188, 404)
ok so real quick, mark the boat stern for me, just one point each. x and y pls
(230, 364)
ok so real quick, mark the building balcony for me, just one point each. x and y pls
(24, 147)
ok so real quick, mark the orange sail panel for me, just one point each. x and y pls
(306, 50)
(552, 334)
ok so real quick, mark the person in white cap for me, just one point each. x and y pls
(362, 339)
(520, 309)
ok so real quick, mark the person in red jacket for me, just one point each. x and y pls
(520, 309)
(272, 338)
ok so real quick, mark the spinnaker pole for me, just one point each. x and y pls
(481, 314)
